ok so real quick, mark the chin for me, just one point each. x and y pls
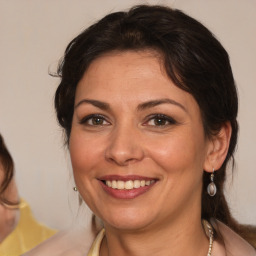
(128, 221)
(127, 225)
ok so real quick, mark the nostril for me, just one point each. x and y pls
(123, 158)
(123, 161)
(124, 148)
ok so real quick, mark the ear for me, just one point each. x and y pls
(218, 148)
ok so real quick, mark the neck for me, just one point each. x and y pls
(177, 238)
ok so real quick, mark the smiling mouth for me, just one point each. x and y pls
(127, 185)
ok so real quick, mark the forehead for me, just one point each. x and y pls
(128, 73)
(128, 64)
(127, 80)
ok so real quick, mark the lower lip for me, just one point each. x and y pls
(126, 193)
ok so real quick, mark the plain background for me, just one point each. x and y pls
(33, 36)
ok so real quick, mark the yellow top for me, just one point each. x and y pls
(95, 249)
(27, 234)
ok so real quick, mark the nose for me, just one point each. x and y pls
(124, 146)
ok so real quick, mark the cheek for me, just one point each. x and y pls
(8, 221)
(83, 158)
(85, 153)
(179, 153)
(180, 159)
(11, 193)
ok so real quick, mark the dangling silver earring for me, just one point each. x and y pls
(80, 199)
(211, 189)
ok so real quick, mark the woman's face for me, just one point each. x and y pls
(137, 143)
(9, 217)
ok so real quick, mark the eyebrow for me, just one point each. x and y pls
(96, 103)
(145, 105)
(154, 103)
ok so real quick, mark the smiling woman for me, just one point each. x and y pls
(149, 106)
(140, 143)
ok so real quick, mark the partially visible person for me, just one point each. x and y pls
(19, 231)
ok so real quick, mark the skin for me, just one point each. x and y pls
(9, 217)
(128, 140)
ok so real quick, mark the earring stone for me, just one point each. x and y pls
(211, 188)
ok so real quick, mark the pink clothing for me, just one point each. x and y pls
(78, 243)
(234, 245)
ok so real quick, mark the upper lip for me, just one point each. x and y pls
(125, 177)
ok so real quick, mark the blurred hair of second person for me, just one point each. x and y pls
(19, 231)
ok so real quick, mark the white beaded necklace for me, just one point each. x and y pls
(209, 232)
(94, 251)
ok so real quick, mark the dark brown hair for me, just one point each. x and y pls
(8, 169)
(193, 58)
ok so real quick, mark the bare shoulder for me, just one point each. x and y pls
(75, 242)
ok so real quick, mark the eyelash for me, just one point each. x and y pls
(154, 117)
(160, 117)
(86, 120)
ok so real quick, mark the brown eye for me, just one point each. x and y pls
(160, 121)
(94, 120)
(97, 121)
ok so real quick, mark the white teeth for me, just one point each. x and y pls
(114, 184)
(136, 184)
(120, 184)
(130, 184)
